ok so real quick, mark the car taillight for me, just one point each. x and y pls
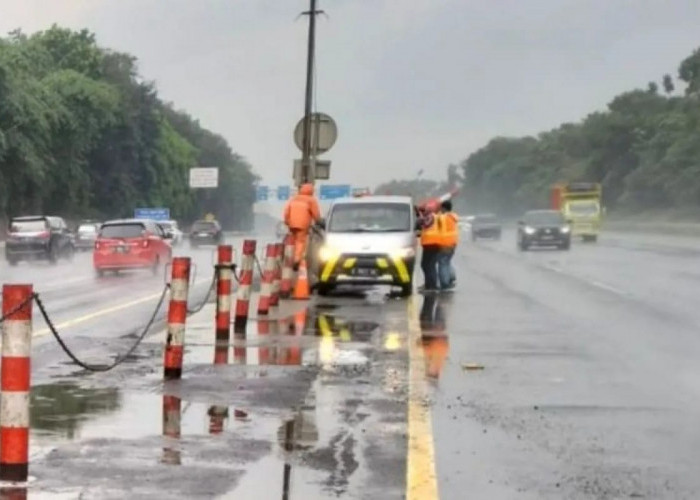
(44, 235)
(144, 243)
(97, 245)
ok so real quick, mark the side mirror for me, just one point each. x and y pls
(521, 223)
(418, 225)
(321, 223)
(168, 234)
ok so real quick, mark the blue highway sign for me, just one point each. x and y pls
(283, 193)
(152, 213)
(333, 191)
(262, 193)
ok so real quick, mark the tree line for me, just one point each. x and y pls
(644, 149)
(84, 136)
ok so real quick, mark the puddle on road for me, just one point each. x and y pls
(434, 334)
(291, 450)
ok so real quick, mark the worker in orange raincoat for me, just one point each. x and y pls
(301, 212)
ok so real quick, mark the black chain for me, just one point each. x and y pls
(120, 359)
(201, 305)
(257, 263)
(24, 303)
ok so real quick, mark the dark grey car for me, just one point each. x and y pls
(544, 228)
(486, 226)
(205, 232)
(38, 238)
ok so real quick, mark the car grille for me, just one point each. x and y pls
(548, 231)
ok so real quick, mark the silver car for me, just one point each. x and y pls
(366, 241)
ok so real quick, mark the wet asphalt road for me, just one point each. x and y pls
(590, 378)
(551, 375)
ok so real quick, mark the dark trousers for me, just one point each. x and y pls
(428, 264)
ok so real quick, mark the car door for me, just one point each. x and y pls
(163, 246)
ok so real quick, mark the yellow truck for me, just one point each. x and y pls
(581, 205)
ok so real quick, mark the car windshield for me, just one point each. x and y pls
(28, 226)
(486, 219)
(126, 230)
(204, 226)
(166, 224)
(370, 217)
(87, 228)
(544, 218)
(583, 208)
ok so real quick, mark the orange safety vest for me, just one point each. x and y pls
(432, 235)
(301, 211)
(450, 230)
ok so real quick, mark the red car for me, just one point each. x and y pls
(131, 244)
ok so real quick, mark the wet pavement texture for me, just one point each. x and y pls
(589, 382)
(309, 404)
(550, 374)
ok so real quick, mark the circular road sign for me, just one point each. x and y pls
(324, 133)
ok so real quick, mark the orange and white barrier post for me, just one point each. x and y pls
(15, 382)
(246, 281)
(264, 300)
(287, 280)
(177, 317)
(223, 292)
(240, 353)
(277, 276)
(217, 417)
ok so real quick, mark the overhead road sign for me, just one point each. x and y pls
(204, 177)
(262, 193)
(152, 213)
(334, 191)
(324, 133)
(283, 193)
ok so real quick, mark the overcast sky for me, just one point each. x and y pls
(411, 83)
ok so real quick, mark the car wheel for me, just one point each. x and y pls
(406, 290)
(12, 262)
(324, 289)
(565, 246)
(592, 238)
(523, 246)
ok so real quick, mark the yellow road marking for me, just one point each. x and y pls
(103, 312)
(421, 477)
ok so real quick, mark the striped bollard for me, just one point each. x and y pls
(217, 417)
(15, 382)
(263, 342)
(246, 281)
(177, 317)
(277, 276)
(264, 300)
(223, 292)
(287, 280)
(240, 354)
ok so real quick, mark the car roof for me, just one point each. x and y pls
(30, 217)
(126, 221)
(375, 199)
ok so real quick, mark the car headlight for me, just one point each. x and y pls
(404, 253)
(566, 229)
(327, 253)
(529, 230)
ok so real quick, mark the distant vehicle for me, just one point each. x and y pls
(86, 235)
(465, 222)
(172, 229)
(38, 238)
(486, 226)
(205, 232)
(581, 205)
(368, 240)
(131, 244)
(544, 228)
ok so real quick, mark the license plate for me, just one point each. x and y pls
(548, 237)
(365, 272)
(121, 249)
(203, 234)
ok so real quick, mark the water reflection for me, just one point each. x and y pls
(172, 413)
(434, 337)
(60, 408)
(13, 493)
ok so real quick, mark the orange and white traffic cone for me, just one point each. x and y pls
(301, 287)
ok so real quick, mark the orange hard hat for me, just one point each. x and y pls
(307, 189)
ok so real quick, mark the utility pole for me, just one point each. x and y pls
(307, 174)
